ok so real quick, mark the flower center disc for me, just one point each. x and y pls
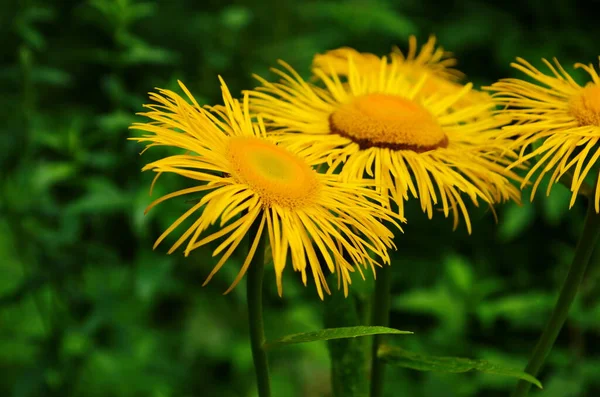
(275, 174)
(586, 106)
(388, 121)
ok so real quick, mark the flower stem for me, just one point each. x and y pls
(255, 314)
(348, 356)
(381, 317)
(583, 252)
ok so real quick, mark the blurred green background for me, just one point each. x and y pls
(88, 309)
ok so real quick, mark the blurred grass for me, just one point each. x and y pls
(88, 309)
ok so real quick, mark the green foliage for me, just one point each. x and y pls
(88, 309)
(334, 333)
(422, 362)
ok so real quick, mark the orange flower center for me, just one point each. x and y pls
(388, 121)
(278, 176)
(586, 106)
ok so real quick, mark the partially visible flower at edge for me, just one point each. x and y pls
(247, 177)
(380, 123)
(558, 113)
(433, 62)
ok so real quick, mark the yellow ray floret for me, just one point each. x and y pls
(559, 114)
(316, 221)
(430, 61)
(383, 125)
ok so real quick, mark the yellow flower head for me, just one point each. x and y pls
(435, 63)
(383, 125)
(250, 179)
(559, 112)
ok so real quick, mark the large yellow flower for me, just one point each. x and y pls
(431, 61)
(562, 114)
(249, 178)
(381, 124)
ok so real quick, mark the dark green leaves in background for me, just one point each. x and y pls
(88, 309)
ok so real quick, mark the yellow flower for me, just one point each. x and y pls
(383, 125)
(562, 113)
(251, 179)
(435, 63)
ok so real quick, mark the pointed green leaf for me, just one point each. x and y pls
(424, 362)
(333, 333)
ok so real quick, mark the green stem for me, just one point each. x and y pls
(349, 359)
(254, 288)
(381, 316)
(583, 252)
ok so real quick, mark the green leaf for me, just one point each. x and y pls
(333, 333)
(102, 196)
(236, 17)
(422, 362)
(526, 309)
(515, 220)
(556, 205)
(460, 273)
(46, 175)
(360, 16)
